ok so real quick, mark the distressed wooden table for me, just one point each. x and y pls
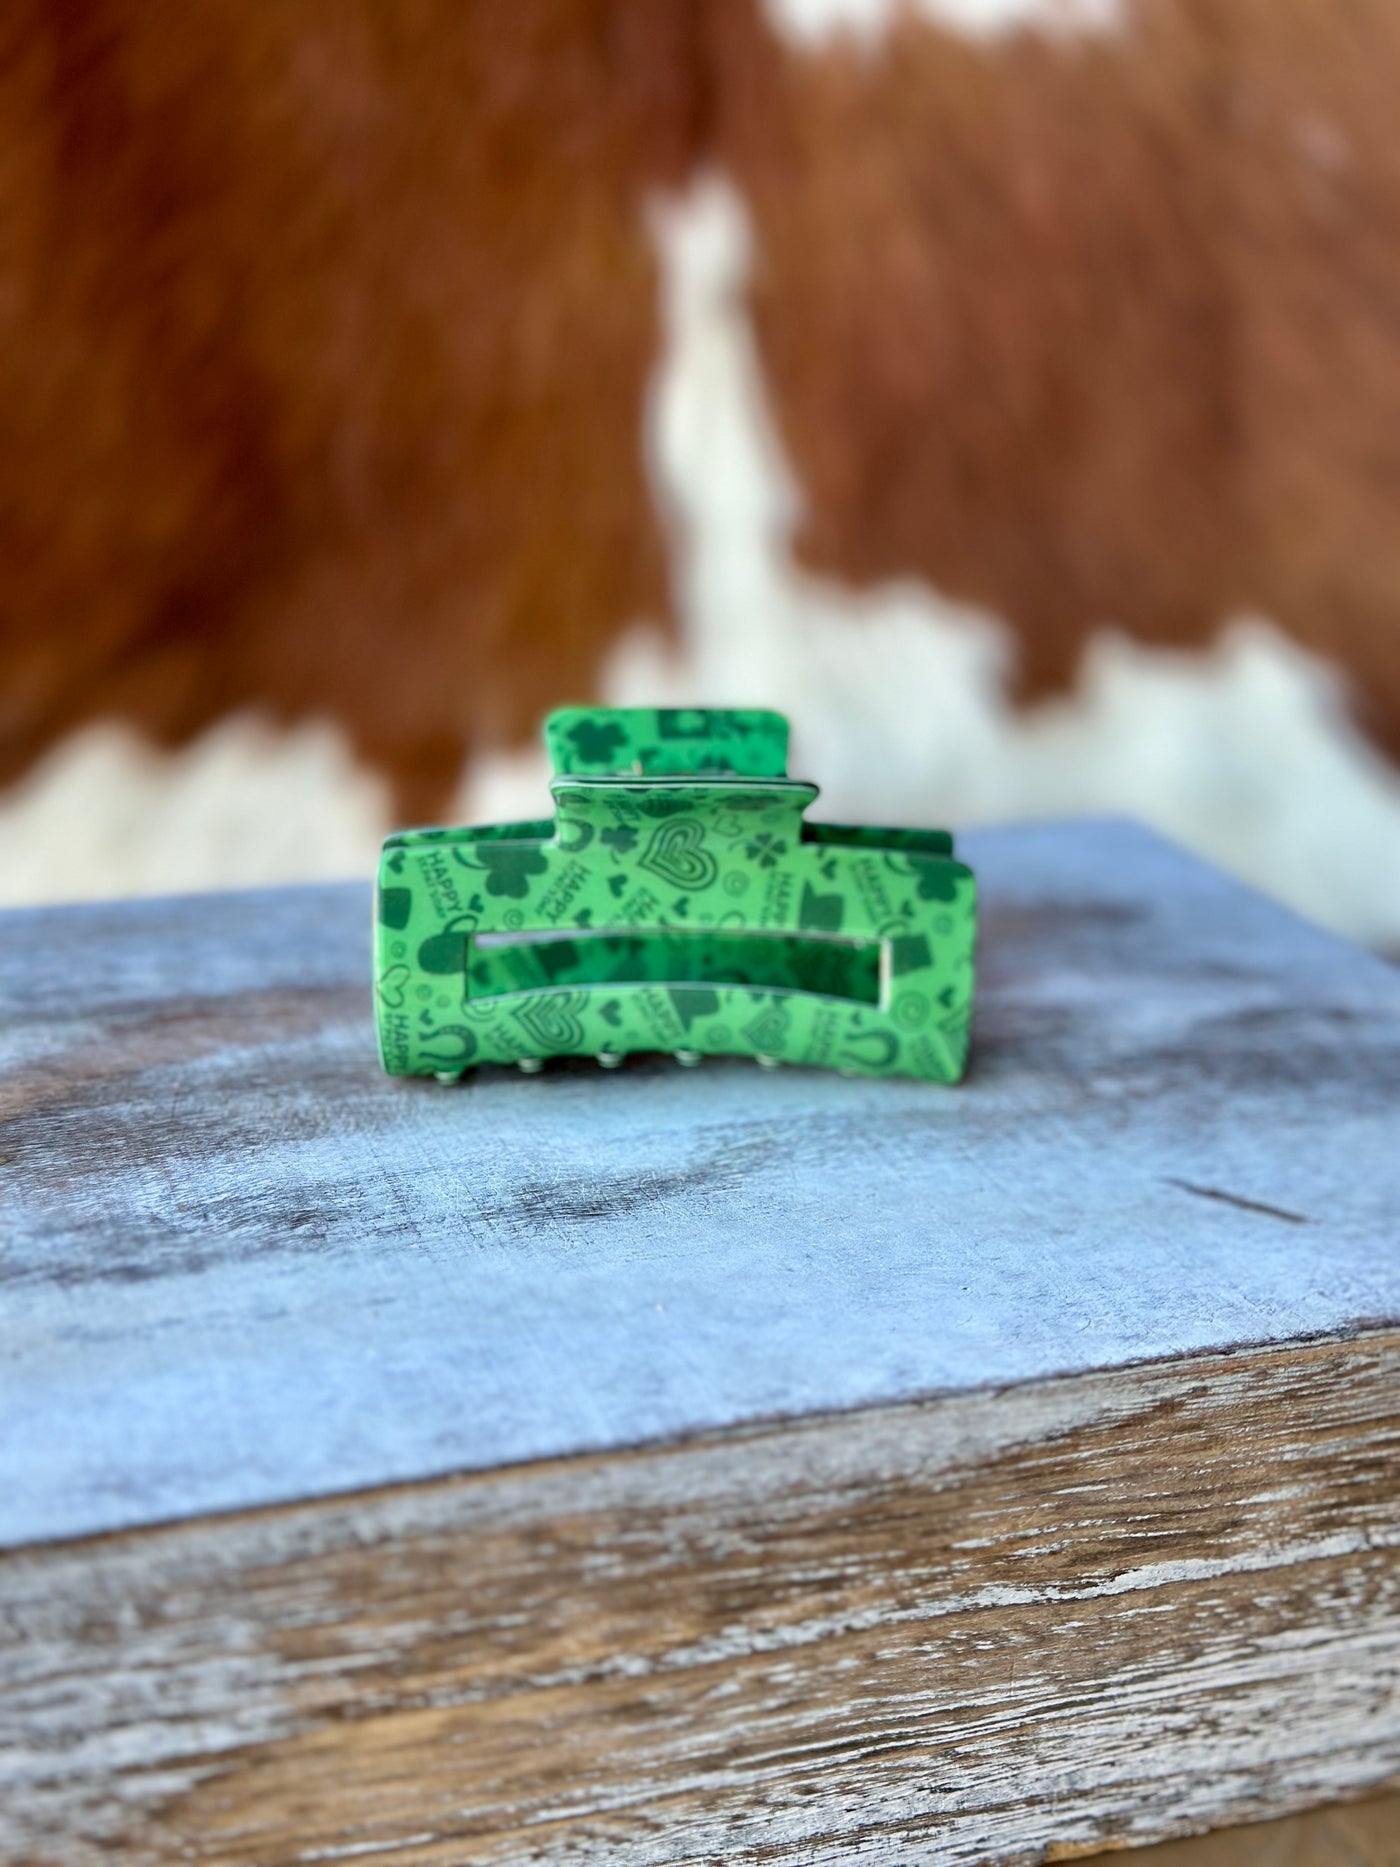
(705, 1465)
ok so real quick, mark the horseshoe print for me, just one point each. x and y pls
(613, 927)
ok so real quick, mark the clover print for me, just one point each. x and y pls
(595, 744)
(509, 867)
(766, 850)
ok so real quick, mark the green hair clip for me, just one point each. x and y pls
(678, 900)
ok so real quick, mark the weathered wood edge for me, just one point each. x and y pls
(1099, 1610)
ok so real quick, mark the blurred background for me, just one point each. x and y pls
(1009, 390)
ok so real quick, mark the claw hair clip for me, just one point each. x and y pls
(678, 900)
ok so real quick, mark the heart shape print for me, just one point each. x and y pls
(392, 986)
(678, 855)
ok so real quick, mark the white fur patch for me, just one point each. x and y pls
(899, 698)
(809, 23)
(246, 804)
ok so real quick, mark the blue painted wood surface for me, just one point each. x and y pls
(239, 1266)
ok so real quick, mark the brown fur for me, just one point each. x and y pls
(325, 336)
(1104, 331)
(325, 332)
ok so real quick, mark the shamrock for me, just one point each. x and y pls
(766, 850)
(620, 837)
(509, 867)
(595, 744)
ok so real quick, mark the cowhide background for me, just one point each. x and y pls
(1009, 390)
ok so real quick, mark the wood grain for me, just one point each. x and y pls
(693, 1466)
(1083, 1612)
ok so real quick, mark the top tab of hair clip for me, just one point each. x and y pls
(678, 901)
